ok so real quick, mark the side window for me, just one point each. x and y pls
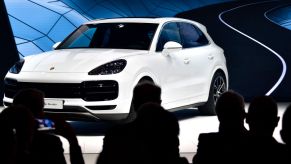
(170, 32)
(192, 36)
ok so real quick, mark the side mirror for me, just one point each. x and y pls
(56, 45)
(171, 47)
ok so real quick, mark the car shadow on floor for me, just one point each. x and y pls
(91, 128)
(99, 127)
(185, 114)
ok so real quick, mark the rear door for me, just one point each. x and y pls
(197, 59)
(175, 77)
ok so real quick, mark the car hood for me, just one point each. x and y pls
(75, 60)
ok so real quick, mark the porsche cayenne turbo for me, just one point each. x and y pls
(92, 72)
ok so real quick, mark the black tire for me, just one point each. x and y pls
(218, 86)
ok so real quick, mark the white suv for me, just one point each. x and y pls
(94, 70)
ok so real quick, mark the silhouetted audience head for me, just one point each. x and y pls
(262, 116)
(146, 92)
(286, 126)
(230, 110)
(17, 129)
(32, 99)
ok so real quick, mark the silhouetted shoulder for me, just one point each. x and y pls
(206, 136)
(209, 140)
(286, 133)
(262, 150)
(208, 146)
(119, 145)
(263, 118)
(212, 139)
(218, 148)
(118, 134)
(47, 149)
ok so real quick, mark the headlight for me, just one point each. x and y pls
(113, 67)
(16, 68)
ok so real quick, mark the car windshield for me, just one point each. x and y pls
(112, 35)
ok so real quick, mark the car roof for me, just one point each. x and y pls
(136, 20)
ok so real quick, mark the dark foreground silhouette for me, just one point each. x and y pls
(151, 138)
(262, 119)
(41, 146)
(226, 145)
(286, 133)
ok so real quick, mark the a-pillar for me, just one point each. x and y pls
(8, 50)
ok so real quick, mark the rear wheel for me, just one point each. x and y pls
(218, 86)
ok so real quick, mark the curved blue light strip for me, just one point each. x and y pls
(260, 43)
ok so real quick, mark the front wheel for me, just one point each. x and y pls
(217, 87)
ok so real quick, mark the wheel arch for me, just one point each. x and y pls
(223, 72)
(146, 78)
(146, 75)
(209, 107)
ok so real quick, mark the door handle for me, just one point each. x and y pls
(210, 57)
(186, 60)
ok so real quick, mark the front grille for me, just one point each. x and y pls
(102, 90)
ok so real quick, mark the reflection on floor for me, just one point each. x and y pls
(90, 134)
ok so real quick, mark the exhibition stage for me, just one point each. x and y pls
(257, 52)
(90, 134)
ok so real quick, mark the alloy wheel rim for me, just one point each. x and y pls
(218, 88)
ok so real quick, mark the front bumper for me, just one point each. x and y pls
(109, 99)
